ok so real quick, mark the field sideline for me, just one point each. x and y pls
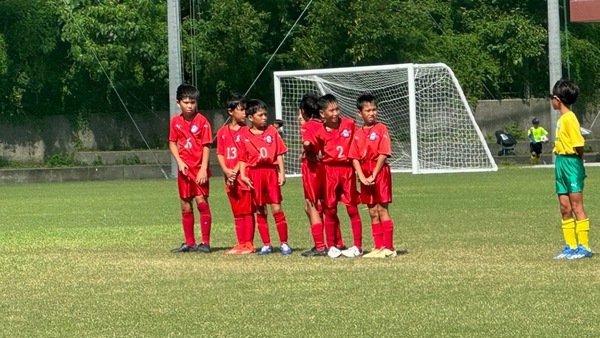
(92, 259)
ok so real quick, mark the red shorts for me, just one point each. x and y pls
(187, 186)
(240, 197)
(312, 180)
(381, 191)
(340, 185)
(266, 188)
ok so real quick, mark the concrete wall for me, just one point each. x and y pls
(36, 140)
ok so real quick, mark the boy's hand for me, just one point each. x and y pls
(364, 180)
(281, 179)
(248, 182)
(202, 176)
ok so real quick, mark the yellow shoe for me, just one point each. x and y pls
(375, 253)
(389, 253)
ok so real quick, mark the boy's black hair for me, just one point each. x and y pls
(236, 100)
(254, 105)
(566, 91)
(310, 105)
(187, 90)
(360, 102)
(325, 100)
(279, 122)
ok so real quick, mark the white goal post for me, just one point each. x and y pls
(431, 125)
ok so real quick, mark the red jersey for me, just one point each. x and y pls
(308, 130)
(191, 137)
(370, 142)
(228, 144)
(261, 150)
(335, 143)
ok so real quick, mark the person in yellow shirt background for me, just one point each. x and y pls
(537, 136)
(569, 172)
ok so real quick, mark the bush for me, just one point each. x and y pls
(62, 159)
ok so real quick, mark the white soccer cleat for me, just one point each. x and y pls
(334, 252)
(351, 252)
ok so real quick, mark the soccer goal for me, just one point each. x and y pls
(431, 125)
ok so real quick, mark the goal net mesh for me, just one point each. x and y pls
(444, 136)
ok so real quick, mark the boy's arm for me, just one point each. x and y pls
(243, 176)
(579, 151)
(380, 162)
(230, 173)
(281, 170)
(203, 173)
(181, 166)
(359, 172)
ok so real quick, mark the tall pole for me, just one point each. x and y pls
(175, 69)
(554, 57)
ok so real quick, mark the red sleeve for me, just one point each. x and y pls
(385, 147)
(173, 129)
(281, 147)
(355, 146)
(207, 132)
(221, 141)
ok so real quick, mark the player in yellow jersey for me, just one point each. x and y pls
(537, 135)
(569, 172)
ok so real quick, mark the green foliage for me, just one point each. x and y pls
(514, 129)
(62, 159)
(128, 160)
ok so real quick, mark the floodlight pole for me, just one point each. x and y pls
(554, 58)
(174, 45)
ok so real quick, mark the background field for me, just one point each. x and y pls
(92, 259)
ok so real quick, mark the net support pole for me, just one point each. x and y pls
(174, 45)
(554, 58)
(412, 115)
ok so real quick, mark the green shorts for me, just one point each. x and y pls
(569, 174)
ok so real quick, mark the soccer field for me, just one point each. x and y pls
(92, 259)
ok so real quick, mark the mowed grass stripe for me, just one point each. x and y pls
(92, 259)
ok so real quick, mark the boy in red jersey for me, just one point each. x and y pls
(228, 154)
(190, 137)
(369, 154)
(334, 139)
(312, 172)
(261, 168)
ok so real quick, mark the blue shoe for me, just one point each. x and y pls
(566, 252)
(581, 252)
(285, 249)
(267, 249)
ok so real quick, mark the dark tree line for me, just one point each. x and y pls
(72, 57)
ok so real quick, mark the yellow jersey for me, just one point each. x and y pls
(568, 135)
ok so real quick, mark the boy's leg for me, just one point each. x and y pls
(330, 221)
(280, 222)
(205, 218)
(263, 225)
(355, 224)
(187, 223)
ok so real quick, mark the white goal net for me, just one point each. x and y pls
(431, 125)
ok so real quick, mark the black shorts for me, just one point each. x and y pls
(535, 148)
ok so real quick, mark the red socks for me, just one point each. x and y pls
(263, 228)
(330, 221)
(356, 225)
(377, 232)
(205, 221)
(281, 226)
(187, 222)
(387, 228)
(317, 234)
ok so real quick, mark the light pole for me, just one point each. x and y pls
(554, 57)
(175, 69)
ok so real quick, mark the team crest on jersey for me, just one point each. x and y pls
(268, 139)
(237, 138)
(372, 136)
(345, 133)
(194, 128)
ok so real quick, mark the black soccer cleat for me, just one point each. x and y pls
(184, 247)
(315, 252)
(203, 247)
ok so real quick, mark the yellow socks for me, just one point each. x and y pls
(568, 229)
(582, 228)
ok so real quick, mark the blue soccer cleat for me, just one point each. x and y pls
(581, 252)
(267, 249)
(285, 249)
(565, 253)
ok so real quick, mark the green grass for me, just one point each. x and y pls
(92, 259)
